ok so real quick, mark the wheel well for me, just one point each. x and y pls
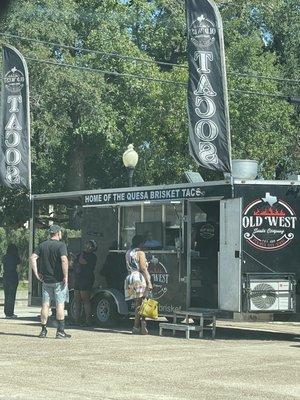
(98, 295)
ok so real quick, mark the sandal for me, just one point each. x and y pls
(144, 330)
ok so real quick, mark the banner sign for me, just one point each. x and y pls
(157, 194)
(14, 121)
(209, 131)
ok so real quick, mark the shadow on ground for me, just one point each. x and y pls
(125, 326)
(16, 334)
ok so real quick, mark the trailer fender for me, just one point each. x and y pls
(117, 296)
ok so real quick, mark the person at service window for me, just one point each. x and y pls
(137, 284)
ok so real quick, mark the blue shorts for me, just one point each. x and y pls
(55, 292)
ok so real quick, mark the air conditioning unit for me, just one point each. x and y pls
(267, 294)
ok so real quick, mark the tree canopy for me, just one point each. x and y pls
(106, 74)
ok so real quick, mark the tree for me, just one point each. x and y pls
(257, 42)
(82, 120)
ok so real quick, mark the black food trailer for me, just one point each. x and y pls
(231, 246)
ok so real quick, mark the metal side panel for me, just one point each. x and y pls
(31, 245)
(229, 268)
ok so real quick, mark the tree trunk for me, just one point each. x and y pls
(75, 173)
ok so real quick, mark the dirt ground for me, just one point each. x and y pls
(246, 361)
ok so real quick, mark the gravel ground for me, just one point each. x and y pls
(246, 361)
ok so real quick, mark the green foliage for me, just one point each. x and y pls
(14, 208)
(82, 121)
(263, 37)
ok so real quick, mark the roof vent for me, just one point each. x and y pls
(244, 169)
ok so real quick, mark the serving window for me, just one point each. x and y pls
(129, 217)
(160, 224)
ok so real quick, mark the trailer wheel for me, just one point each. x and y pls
(71, 308)
(105, 310)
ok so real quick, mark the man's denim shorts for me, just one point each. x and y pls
(55, 292)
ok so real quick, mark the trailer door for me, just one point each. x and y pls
(229, 267)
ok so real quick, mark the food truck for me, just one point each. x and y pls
(230, 246)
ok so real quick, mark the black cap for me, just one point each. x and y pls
(94, 244)
(55, 229)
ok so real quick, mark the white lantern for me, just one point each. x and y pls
(130, 157)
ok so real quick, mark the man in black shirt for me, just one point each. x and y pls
(53, 273)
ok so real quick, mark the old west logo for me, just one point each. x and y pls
(269, 223)
(159, 277)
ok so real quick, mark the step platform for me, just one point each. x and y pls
(207, 321)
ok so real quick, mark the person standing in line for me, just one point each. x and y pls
(137, 284)
(11, 260)
(53, 273)
(84, 279)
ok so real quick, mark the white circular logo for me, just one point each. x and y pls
(202, 32)
(14, 80)
(207, 231)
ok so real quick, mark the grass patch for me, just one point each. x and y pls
(23, 286)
